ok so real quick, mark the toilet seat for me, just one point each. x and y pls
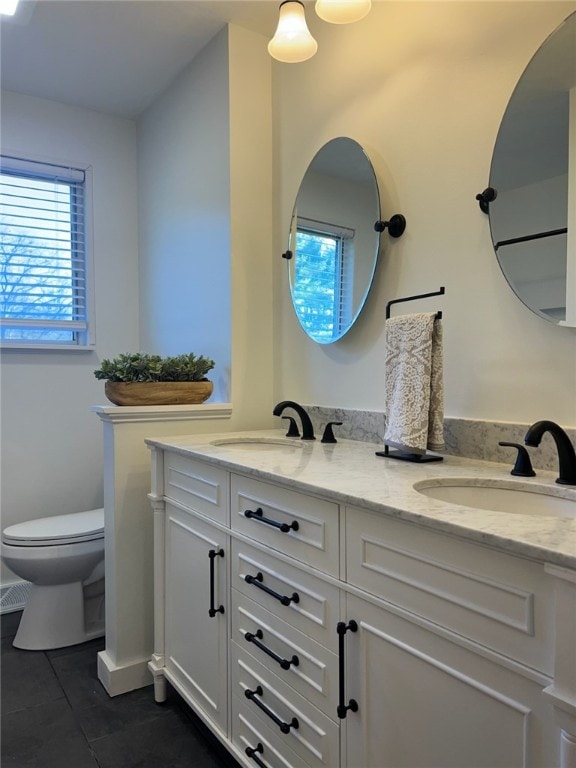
(60, 529)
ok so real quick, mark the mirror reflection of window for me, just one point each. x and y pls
(333, 224)
(324, 279)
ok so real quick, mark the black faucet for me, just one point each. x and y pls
(307, 428)
(566, 453)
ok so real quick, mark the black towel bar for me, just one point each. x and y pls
(441, 292)
(404, 455)
(535, 236)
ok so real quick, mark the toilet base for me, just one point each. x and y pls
(54, 618)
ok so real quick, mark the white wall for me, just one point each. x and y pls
(252, 254)
(184, 162)
(205, 154)
(425, 98)
(51, 443)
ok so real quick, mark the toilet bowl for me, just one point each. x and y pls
(63, 558)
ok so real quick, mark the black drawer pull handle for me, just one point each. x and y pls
(284, 727)
(257, 636)
(342, 709)
(212, 554)
(251, 752)
(257, 582)
(257, 514)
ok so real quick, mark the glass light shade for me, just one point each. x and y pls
(342, 11)
(8, 7)
(292, 41)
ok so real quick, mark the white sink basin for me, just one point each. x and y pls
(259, 444)
(501, 496)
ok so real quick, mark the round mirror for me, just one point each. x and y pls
(333, 246)
(530, 174)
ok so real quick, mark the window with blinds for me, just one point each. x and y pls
(44, 275)
(322, 290)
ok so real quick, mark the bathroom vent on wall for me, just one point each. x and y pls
(14, 597)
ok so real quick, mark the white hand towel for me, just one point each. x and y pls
(414, 383)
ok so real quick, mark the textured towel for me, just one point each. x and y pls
(414, 383)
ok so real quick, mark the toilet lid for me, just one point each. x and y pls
(60, 529)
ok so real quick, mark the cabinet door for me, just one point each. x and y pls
(426, 702)
(196, 638)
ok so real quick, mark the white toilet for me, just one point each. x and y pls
(63, 558)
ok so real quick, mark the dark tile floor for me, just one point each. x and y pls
(56, 714)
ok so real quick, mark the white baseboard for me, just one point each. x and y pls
(117, 680)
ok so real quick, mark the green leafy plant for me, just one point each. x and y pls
(143, 367)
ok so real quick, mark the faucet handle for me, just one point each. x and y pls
(293, 428)
(328, 436)
(523, 465)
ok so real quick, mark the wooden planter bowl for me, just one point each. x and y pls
(158, 392)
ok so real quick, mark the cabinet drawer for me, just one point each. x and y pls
(312, 670)
(197, 486)
(312, 605)
(503, 602)
(251, 734)
(314, 523)
(309, 733)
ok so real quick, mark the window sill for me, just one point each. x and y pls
(19, 347)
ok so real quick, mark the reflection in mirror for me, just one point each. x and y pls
(536, 193)
(333, 242)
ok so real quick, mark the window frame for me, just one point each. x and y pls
(84, 332)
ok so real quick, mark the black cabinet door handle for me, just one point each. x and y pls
(212, 554)
(251, 752)
(257, 582)
(342, 709)
(256, 638)
(284, 727)
(257, 514)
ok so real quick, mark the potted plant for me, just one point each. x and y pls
(144, 379)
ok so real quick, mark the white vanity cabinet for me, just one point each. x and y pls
(320, 635)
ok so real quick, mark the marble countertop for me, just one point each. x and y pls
(349, 472)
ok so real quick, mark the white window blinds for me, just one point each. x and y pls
(43, 255)
(324, 275)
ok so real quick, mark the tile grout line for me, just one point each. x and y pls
(72, 711)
